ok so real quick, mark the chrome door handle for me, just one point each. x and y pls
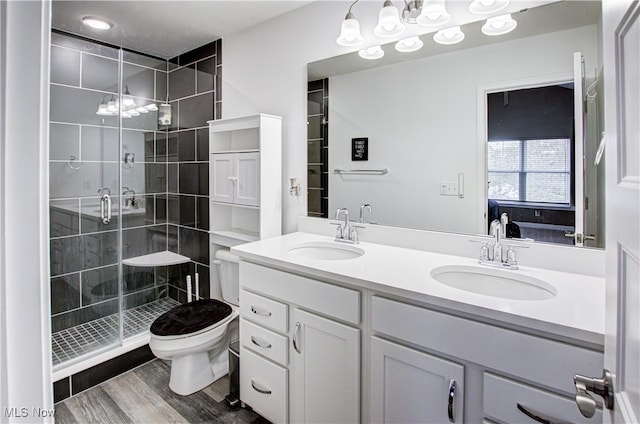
(260, 312)
(452, 396)
(600, 386)
(539, 416)
(258, 389)
(295, 337)
(105, 208)
(259, 343)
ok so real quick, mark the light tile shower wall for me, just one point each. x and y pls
(85, 156)
(195, 98)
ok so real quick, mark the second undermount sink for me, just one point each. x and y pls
(494, 282)
(324, 250)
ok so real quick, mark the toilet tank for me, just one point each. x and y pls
(228, 276)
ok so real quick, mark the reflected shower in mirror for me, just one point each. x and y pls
(425, 119)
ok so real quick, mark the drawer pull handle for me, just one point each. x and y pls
(260, 312)
(295, 337)
(260, 390)
(539, 416)
(452, 396)
(259, 343)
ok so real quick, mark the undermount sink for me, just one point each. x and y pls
(493, 282)
(328, 251)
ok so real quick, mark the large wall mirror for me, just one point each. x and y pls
(440, 154)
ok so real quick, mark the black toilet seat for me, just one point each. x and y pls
(190, 318)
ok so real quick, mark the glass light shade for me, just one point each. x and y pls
(350, 33)
(102, 110)
(389, 23)
(499, 25)
(112, 106)
(433, 13)
(126, 114)
(96, 23)
(374, 52)
(128, 102)
(485, 7)
(151, 107)
(142, 109)
(410, 44)
(451, 35)
(133, 112)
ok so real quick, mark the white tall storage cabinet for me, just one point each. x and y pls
(245, 179)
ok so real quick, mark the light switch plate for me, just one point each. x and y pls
(448, 188)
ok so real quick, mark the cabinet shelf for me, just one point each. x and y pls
(233, 236)
(235, 205)
(157, 259)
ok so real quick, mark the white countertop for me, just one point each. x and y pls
(575, 314)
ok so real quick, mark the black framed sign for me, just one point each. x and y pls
(360, 148)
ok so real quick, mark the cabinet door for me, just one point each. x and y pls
(409, 386)
(247, 174)
(325, 370)
(222, 177)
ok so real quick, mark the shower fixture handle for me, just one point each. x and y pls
(105, 205)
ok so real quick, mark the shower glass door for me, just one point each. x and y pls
(107, 180)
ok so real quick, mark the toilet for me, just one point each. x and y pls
(195, 336)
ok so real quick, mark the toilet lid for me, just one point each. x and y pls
(190, 317)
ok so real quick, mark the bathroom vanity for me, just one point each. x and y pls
(334, 332)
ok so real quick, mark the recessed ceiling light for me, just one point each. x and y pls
(96, 23)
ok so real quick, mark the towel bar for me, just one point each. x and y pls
(362, 171)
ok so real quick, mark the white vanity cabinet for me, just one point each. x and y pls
(409, 386)
(513, 370)
(317, 378)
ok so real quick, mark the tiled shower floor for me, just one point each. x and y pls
(76, 341)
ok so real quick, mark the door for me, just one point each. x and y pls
(222, 186)
(409, 386)
(325, 368)
(621, 54)
(579, 120)
(247, 178)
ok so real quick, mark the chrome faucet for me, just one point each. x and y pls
(346, 232)
(495, 256)
(362, 208)
(129, 202)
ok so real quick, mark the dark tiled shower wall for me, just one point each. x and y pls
(318, 147)
(195, 98)
(84, 156)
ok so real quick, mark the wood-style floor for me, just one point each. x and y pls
(142, 395)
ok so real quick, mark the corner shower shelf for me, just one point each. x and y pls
(157, 259)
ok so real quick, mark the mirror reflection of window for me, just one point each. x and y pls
(530, 165)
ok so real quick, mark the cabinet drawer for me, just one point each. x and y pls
(502, 396)
(325, 298)
(543, 361)
(266, 312)
(264, 386)
(265, 342)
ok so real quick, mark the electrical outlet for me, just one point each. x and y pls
(448, 188)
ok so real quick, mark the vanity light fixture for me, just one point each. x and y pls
(433, 13)
(499, 25)
(97, 23)
(350, 32)
(127, 99)
(410, 44)
(485, 7)
(389, 23)
(451, 35)
(373, 52)
(102, 109)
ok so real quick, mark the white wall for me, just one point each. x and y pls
(25, 368)
(421, 121)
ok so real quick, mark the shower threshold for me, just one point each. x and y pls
(74, 342)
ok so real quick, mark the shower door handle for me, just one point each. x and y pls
(105, 208)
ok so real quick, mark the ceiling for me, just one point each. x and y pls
(169, 28)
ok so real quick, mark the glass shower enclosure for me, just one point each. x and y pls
(108, 196)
